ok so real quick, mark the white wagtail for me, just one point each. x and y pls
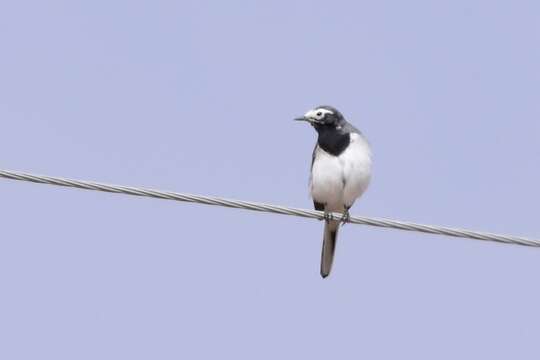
(340, 172)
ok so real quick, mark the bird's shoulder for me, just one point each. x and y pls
(351, 129)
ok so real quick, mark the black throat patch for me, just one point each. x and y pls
(333, 141)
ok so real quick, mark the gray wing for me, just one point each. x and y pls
(317, 205)
(314, 155)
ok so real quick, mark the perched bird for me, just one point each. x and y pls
(340, 172)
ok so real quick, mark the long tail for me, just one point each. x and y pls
(329, 246)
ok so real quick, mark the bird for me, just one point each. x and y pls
(340, 172)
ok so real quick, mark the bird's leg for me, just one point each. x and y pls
(346, 216)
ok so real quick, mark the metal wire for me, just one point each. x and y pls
(248, 205)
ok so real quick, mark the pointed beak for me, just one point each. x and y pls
(303, 118)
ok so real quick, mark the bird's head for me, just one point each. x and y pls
(323, 117)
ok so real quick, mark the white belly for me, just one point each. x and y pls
(338, 181)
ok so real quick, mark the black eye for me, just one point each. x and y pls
(319, 113)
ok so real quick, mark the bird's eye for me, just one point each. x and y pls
(319, 113)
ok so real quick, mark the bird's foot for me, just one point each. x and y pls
(327, 217)
(346, 217)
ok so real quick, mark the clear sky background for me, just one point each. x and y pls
(199, 96)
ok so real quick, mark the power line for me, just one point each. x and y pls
(248, 205)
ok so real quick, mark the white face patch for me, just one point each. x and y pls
(317, 114)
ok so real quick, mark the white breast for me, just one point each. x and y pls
(339, 180)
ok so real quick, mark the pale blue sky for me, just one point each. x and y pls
(198, 96)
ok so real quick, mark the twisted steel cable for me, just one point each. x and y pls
(248, 205)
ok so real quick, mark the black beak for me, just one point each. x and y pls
(303, 118)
